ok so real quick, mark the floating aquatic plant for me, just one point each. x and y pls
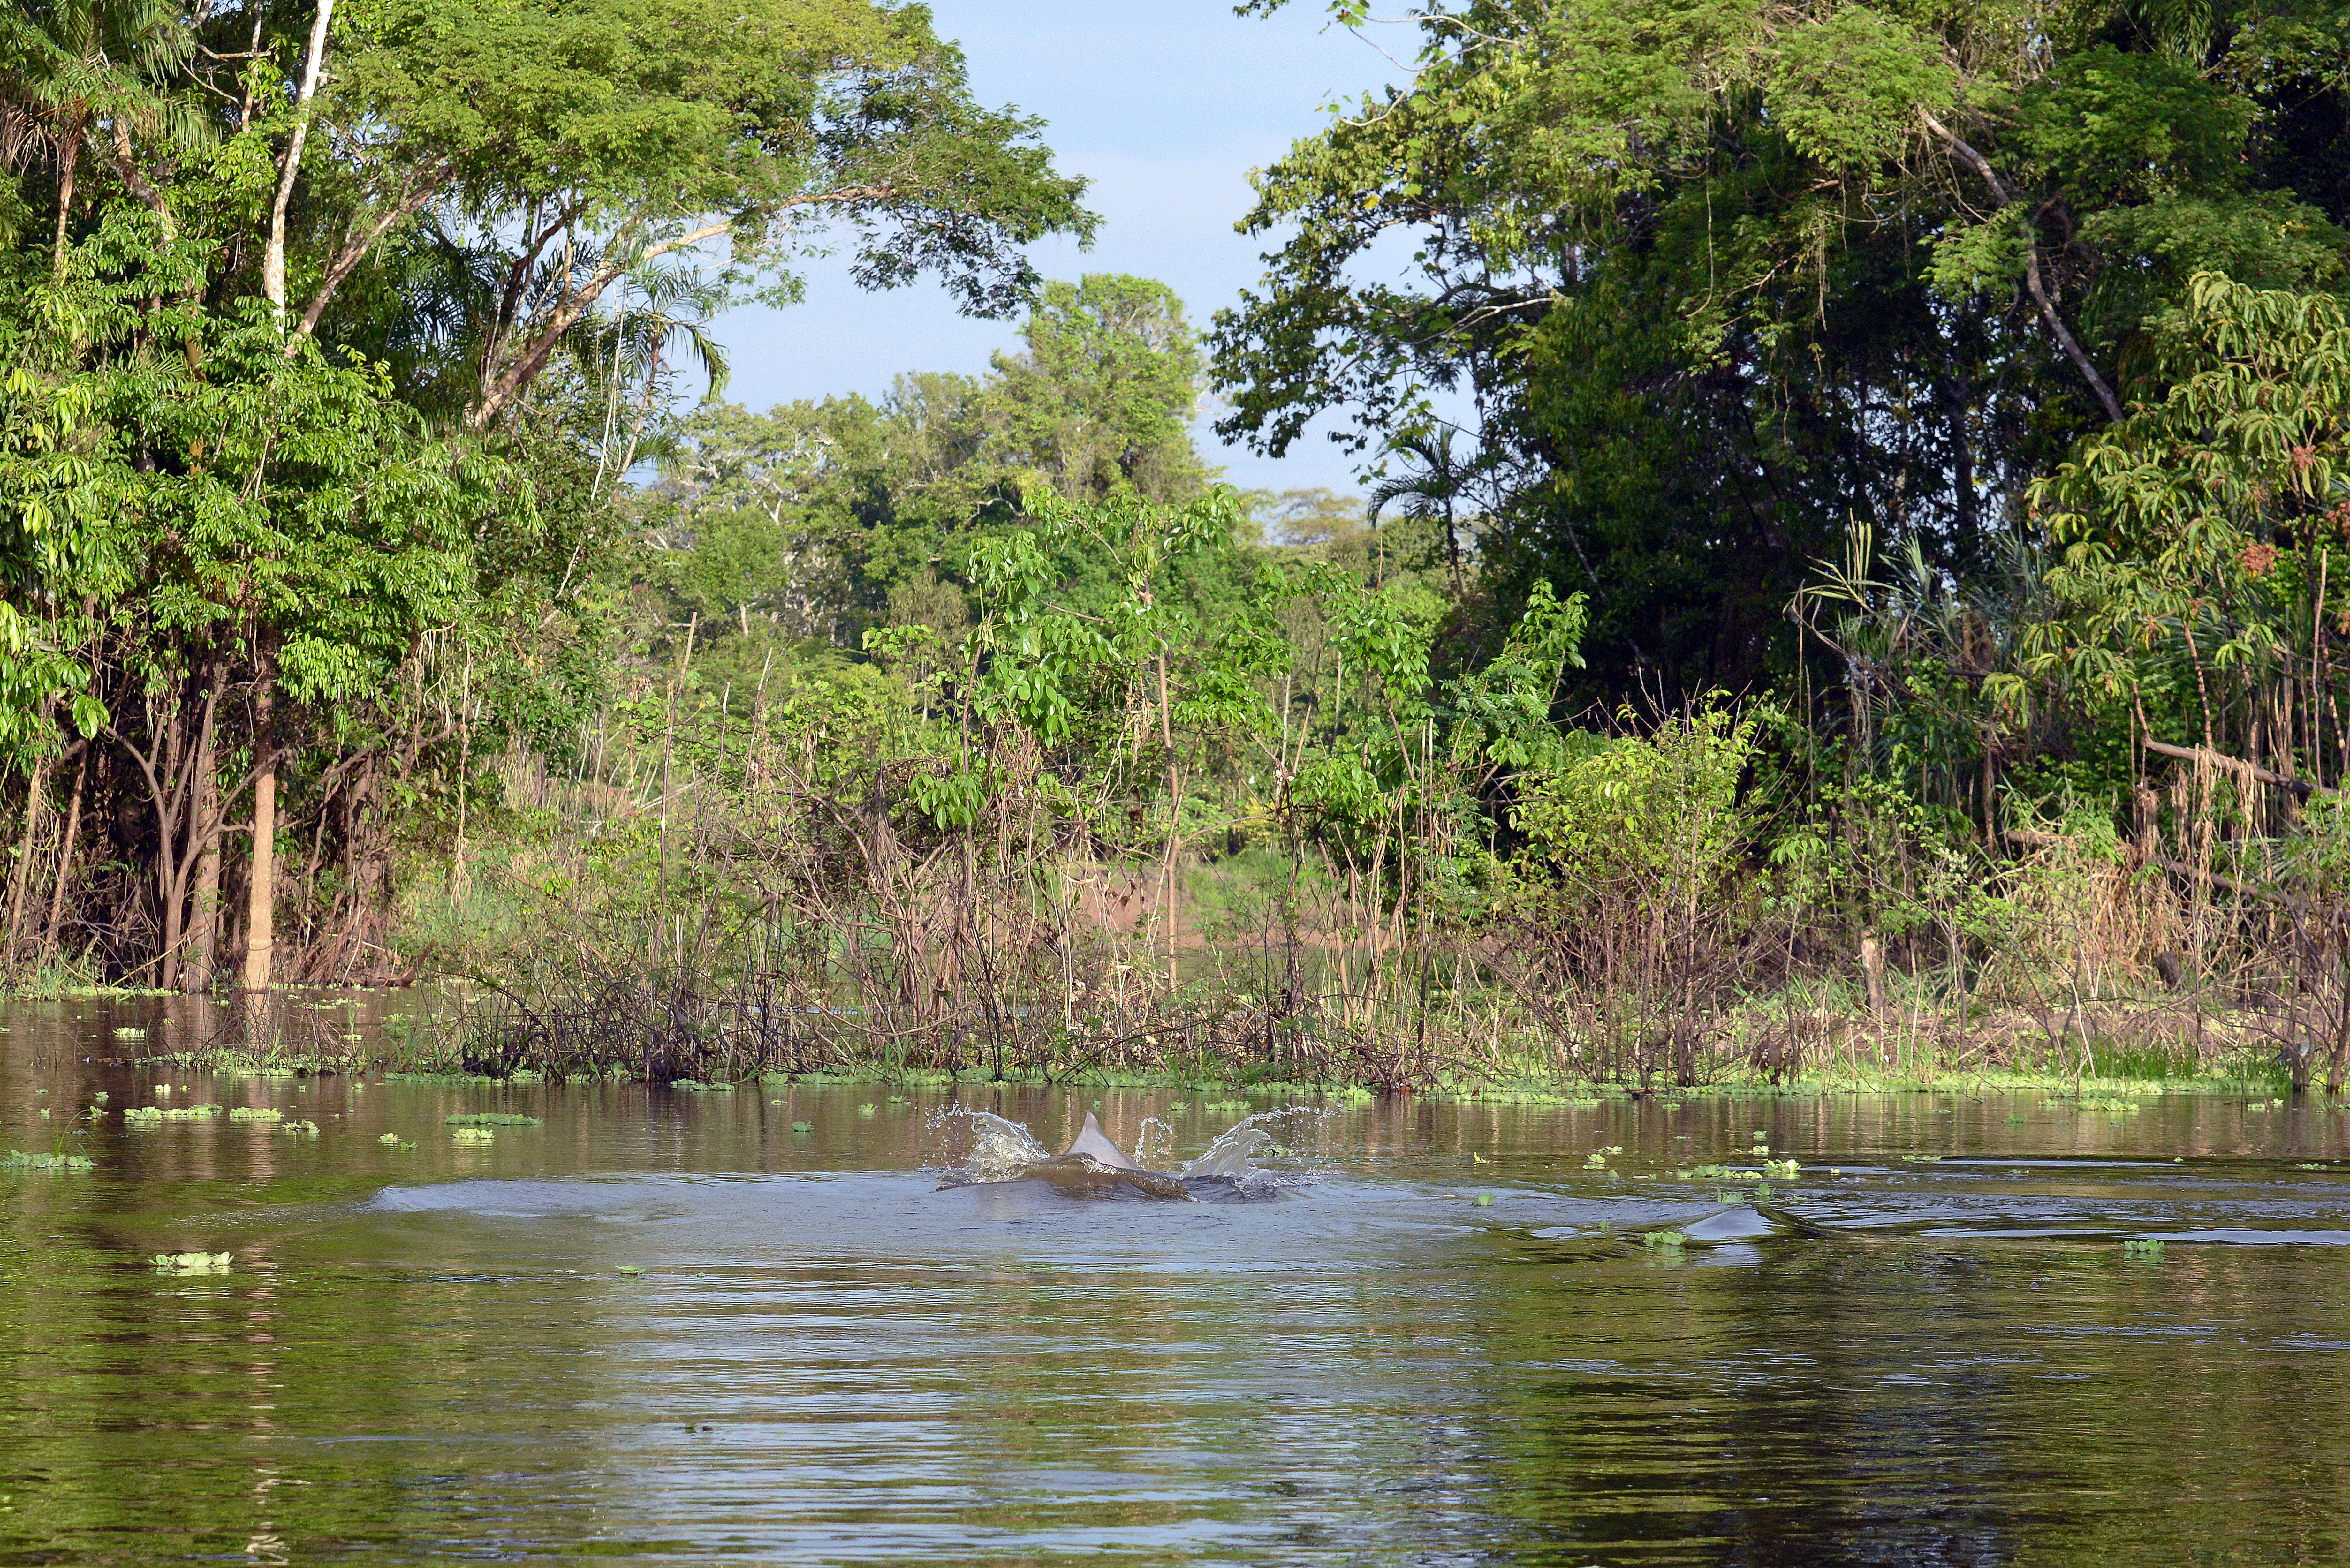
(192, 1263)
(389, 1138)
(1921, 1160)
(802, 1130)
(143, 1117)
(1484, 1200)
(629, 1271)
(866, 1109)
(301, 1130)
(473, 1135)
(19, 1160)
(691, 1087)
(255, 1114)
(2145, 1249)
(1782, 1169)
(492, 1119)
(1663, 1240)
(1595, 1162)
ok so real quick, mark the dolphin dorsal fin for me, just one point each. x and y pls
(1095, 1144)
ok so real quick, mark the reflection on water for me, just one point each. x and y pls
(1927, 1343)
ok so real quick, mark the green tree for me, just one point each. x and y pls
(1715, 281)
(818, 517)
(1101, 396)
(557, 149)
(294, 250)
(2199, 534)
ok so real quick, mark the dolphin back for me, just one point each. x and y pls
(1095, 1144)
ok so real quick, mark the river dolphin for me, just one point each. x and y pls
(1095, 1144)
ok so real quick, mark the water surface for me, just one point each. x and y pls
(670, 1327)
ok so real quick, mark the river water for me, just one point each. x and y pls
(756, 1325)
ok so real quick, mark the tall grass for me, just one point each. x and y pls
(781, 915)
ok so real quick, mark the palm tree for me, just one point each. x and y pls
(69, 67)
(630, 346)
(1431, 490)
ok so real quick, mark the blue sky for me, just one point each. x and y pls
(1164, 107)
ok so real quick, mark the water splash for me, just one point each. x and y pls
(1235, 1156)
(984, 1146)
(1142, 1141)
(980, 1147)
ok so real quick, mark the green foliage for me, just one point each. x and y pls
(2193, 530)
(1645, 823)
(824, 521)
(314, 406)
(1722, 278)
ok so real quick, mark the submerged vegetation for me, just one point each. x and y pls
(1876, 618)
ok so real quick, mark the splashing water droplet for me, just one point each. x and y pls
(984, 1147)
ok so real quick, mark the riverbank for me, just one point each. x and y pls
(2115, 1048)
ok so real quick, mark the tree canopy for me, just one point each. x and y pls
(331, 328)
(1716, 280)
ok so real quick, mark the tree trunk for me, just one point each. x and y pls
(260, 894)
(203, 910)
(64, 862)
(367, 867)
(174, 915)
(36, 796)
(69, 155)
(273, 260)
